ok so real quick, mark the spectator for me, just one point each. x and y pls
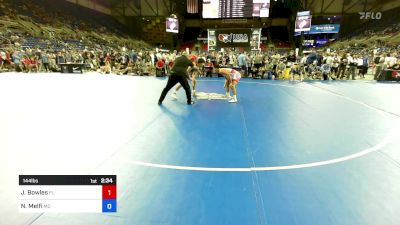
(34, 63)
(45, 61)
(106, 69)
(52, 62)
(379, 62)
(17, 61)
(342, 67)
(160, 68)
(335, 66)
(352, 62)
(390, 60)
(363, 64)
(242, 63)
(209, 66)
(60, 58)
(2, 59)
(280, 70)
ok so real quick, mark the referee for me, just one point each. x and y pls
(179, 75)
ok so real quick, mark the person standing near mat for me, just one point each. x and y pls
(179, 75)
(232, 78)
(195, 71)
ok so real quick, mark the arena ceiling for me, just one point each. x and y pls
(151, 8)
(317, 6)
(108, 3)
(344, 7)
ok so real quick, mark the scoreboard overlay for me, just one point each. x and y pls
(67, 193)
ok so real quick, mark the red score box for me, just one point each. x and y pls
(109, 191)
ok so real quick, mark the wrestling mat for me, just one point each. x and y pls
(210, 96)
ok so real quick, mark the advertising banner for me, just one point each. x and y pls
(172, 25)
(308, 43)
(325, 29)
(322, 29)
(233, 37)
(303, 21)
(321, 42)
(211, 40)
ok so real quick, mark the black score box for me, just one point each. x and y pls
(67, 193)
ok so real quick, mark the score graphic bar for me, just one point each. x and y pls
(67, 193)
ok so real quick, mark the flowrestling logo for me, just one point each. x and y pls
(370, 15)
(233, 38)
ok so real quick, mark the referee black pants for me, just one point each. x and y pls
(172, 80)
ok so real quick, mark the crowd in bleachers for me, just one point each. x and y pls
(324, 64)
(32, 39)
(375, 32)
(348, 63)
(34, 33)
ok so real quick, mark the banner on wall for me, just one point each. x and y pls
(255, 39)
(308, 43)
(325, 29)
(321, 42)
(303, 21)
(233, 37)
(211, 40)
(322, 29)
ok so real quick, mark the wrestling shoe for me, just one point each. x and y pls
(232, 101)
(191, 103)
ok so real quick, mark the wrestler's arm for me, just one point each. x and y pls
(189, 69)
(227, 76)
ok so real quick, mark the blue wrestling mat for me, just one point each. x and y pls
(309, 153)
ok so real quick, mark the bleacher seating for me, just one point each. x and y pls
(62, 25)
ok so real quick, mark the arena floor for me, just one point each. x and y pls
(288, 153)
